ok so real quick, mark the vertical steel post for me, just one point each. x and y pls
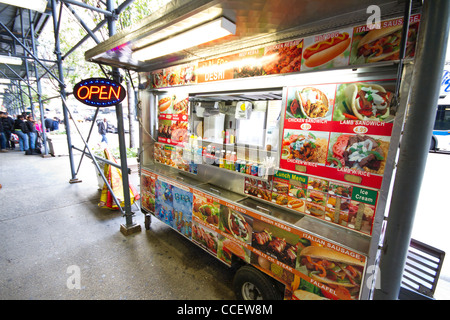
(26, 62)
(38, 85)
(63, 91)
(430, 58)
(130, 226)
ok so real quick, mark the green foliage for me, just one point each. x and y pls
(115, 152)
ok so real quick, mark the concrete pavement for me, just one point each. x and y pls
(54, 236)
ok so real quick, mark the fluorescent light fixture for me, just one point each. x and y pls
(213, 30)
(36, 5)
(10, 60)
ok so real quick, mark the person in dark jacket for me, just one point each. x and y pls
(48, 124)
(102, 125)
(55, 124)
(8, 128)
(21, 130)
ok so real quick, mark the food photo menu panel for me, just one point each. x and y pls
(339, 131)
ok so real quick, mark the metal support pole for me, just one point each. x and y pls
(432, 43)
(26, 64)
(83, 24)
(63, 92)
(39, 89)
(130, 226)
(30, 53)
(94, 159)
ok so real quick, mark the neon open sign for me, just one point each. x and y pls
(99, 92)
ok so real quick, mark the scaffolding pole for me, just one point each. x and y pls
(414, 146)
(129, 227)
(63, 93)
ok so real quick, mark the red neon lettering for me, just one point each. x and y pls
(79, 92)
(103, 93)
(97, 90)
(116, 94)
(99, 93)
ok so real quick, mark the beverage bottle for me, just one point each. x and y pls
(228, 160)
(222, 159)
(233, 159)
(214, 156)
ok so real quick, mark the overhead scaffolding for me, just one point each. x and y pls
(19, 29)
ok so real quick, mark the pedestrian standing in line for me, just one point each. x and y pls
(48, 124)
(8, 128)
(21, 130)
(55, 124)
(32, 134)
(2, 135)
(102, 126)
(38, 126)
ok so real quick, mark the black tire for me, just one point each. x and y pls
(251, 284)
(433, 144)
(148, 221)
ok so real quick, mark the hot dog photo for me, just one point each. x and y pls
(327, 50)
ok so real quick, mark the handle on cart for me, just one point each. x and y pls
(214, 190)
(264, 209)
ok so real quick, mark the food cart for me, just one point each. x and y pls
(273, 148)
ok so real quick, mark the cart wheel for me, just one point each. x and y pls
(148, 221)
(251, 284)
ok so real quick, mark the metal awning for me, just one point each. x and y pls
(18, 22)
(258, 22)
(238, 96)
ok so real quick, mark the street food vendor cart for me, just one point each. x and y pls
(273, 146)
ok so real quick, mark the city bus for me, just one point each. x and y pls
(440, 140)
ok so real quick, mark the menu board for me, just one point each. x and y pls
(297, 259)
(173, 117)
(339, 203)
(351, 46)
(339, 131)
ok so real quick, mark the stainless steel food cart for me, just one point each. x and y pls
(265, 158)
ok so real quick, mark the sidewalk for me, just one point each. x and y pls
(50, 229)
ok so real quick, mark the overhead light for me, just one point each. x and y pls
(10, 60)
(36, 5)
(213, 30)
